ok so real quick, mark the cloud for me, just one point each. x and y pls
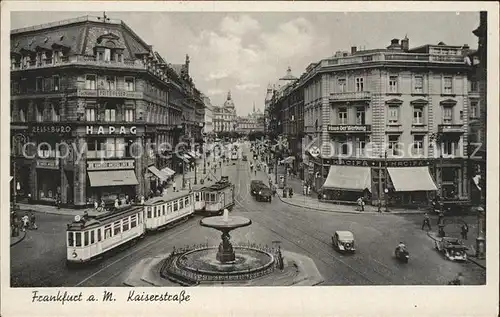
(215, 91)
(242, 56)
(239, 25)
(247, 86)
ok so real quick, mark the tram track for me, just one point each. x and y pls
(316, 241)
(135, 255)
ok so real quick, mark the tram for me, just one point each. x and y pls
(211, 199)
(92, 235)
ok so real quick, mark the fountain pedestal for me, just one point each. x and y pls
(226, 252)
(225, 224)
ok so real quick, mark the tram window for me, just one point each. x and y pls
(140, 217)
(181, 203)
(149, 212)
(212, 197)
(86, 238)
(99, 237)
(133, 221)
(176, 206)
(78, 239)
(197, 197)
(116, 228)
(92, 236)
(107, 231)
(163, 210)
(169, 208)
(70, 239)
(186, 201)
(125, 224)
(154, 212)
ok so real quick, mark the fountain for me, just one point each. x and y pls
(225, 224)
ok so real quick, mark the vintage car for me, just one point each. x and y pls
(452, 248)
(264, 194)
(343, 241)
(244, 158)
(255, 186)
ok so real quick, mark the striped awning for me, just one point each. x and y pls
(112, 178)
(168, 171)
(158, 173)
(409, 179)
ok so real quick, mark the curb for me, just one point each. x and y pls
(469, 257)
(18, 241)
(48, 212)
(352, 212)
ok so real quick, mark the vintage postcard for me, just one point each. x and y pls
(249, 158)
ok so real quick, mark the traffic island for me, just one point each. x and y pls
(292, 270)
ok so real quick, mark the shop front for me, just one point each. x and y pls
(111, 184)
(410, 186)
(347, 183)
(401, 183)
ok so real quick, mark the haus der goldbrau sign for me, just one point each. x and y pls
(110, 130)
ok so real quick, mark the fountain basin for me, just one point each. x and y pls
(222, 224)
(247, 261)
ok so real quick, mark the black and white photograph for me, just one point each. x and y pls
(158, 152)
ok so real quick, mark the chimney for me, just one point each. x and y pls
(354, 49)
(405, 44)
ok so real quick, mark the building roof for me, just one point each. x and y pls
(79, 36)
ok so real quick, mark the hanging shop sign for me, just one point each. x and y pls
(47, 164)
(111, 130)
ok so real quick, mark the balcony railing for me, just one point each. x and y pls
(451, 128)
(350, 96)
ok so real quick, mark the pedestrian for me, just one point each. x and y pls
(96, 205)
(290, 192)
(426, 222)
(440, 218)
(116, 203)
(359, 203)
(26, 221)
(308, 190)
(362, 204)
(33, 221)
(465, 230)
(379, 206)
(174, 186)
(142, 200)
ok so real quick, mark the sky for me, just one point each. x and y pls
(244, 52)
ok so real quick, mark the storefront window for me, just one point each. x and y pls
(48, 182)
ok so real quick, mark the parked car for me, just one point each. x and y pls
(452, 248)
(244, 158)
(343, 241)
(255, 186)
(264, 194)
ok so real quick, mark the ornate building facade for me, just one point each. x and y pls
(375, 116)
(90, 104)
(224, 119)
(254, 122)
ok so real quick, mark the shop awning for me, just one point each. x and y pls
(288, 160)
(112, 178)
(168, 171)
(410, 179)
(158, 173)
(352, 178)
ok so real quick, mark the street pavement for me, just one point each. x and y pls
(39, 260)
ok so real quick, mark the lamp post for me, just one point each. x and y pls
(386, 190)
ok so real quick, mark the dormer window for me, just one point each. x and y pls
(107, 55)
(56, 57)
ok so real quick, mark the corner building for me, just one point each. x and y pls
(95, 85)
(391, 124)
